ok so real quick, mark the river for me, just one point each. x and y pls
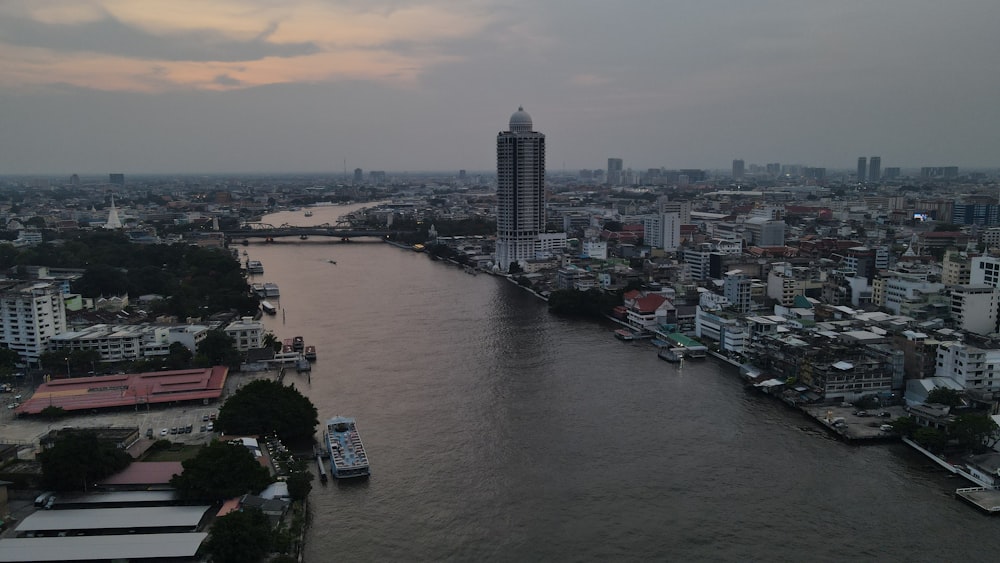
(497, 431)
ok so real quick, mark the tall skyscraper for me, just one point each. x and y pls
(862, 168)
(520, 190)
(614, 171)
(359, 176)
(875, 169)
(737, 169)
(117, 179)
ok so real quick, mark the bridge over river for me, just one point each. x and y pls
(267, 231)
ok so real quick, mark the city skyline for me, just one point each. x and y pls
(96, 86)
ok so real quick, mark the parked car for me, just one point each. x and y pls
(173, 430)
(210, 427)
(164, 432)
(149, 432)
(885, 414)
(861, 413)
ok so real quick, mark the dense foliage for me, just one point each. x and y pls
(217, 349)
(240, 537)
(590, 303)
(267, 407)
(199, 281)
(78, 459)
(221, 471)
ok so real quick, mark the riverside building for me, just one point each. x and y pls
(521, 195)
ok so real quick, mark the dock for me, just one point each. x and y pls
(983, 498)
(321, 467)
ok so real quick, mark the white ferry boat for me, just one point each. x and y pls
(347, 453)
(255, 267)
(268, 308)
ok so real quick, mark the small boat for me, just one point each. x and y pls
(310, 353)
(347, 454)
(268, 308)
(255, 267)
(298, 344)
(308, 213)
(332, 261)
(672, 355)
(271, 290)
(302, 365)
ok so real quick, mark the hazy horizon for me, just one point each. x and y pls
(256, 87)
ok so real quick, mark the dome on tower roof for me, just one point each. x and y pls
(520, 121)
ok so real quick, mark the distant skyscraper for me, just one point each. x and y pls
(74, 180)
(614, 171)
(359, 176)
(117, 179)
(461, 175)
(738, 169)
(862, 168)
(520, 190)
(875, 169)
(774, 169)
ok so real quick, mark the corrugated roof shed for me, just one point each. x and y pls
(113, 518)
(89, 548)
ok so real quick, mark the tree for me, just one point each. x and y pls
(179, 356)
(219, 471)
(271, 341)
(944, 396)
(299, 484)
(973, 431)
(240, 537)
(264, 407)
(218, 349)
(77, 459)
(930, 438)
(905, 426)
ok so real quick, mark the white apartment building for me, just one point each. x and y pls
(596, 249)
(896, 290)
(117, 343)
(985, 271)
(662, 231)
(247, 333)
(30, 314)
(520, 191)
(974, 308)
(971, 367)
(736, 287)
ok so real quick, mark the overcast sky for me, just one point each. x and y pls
(95, 86)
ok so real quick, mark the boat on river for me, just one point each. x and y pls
(347, 454)
(672, 355)
(310, 353)
(298, 344)
(268, 308)
(255, 267)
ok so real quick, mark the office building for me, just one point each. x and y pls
(116, 179)
(862, 168)
(614, 172)
(520, 190)
(359, 177)
(738, 168)
(875, 169)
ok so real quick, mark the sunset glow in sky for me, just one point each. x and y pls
(301, 85)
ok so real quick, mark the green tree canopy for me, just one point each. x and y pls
(179, 356)
(265, 407)
(944, 396)
(973, 431)
(221, 471)
(218, 349)
(78, 459)
(240, 537)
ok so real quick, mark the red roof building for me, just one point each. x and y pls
(110, 391)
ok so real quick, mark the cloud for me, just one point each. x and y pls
(184, 44)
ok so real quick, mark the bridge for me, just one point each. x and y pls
(267, 231)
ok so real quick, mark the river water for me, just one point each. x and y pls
(497, 431)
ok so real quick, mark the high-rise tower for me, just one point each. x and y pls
(614, 176)
(520, 190)
(862, 168)
(875, 169)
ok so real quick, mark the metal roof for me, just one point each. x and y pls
(113, 518)
(87, 548)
